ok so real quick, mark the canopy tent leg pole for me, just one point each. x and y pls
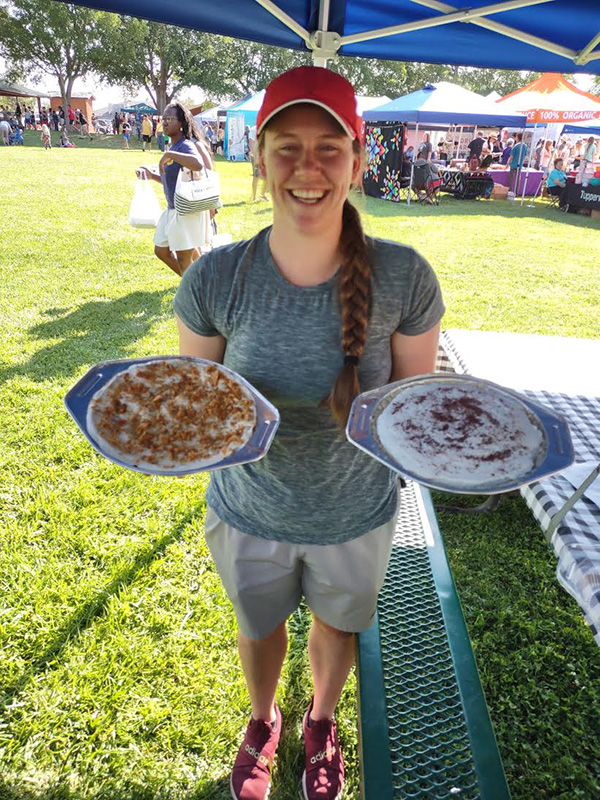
(412, 165)
(321, 60)
(459, 141)
(539, 188)
(531, 204)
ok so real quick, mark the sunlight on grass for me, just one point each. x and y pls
(119, 672)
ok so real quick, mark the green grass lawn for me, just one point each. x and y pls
(118, 669)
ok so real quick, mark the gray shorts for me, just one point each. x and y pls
(265, 580)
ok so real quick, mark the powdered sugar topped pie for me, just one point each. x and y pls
(172, 414)
(461, 432)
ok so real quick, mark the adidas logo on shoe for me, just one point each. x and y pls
(329, 753)
(256, 754)
(251, 773)
(323, 777)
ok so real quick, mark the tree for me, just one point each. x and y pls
(160, 58)
(375, 77)
(13, 74)
(57, 39)
(484, 81)
(395, 78)
(247, 67)
(164, 60)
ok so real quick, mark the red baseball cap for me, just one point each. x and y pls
(316, 85)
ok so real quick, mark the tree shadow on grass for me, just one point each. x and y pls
(98, 330)
(82, 617)
(75, 626)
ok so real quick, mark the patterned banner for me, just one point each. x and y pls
(383, 145)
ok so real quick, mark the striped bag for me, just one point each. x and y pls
(197, 191)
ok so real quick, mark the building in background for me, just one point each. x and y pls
(78, 102)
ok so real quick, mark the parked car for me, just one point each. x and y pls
(103, 126)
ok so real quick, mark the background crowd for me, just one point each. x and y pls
(503, 150)
(486, 150)
(14, 121)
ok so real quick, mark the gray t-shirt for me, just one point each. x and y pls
(425, 148)
(313, 486)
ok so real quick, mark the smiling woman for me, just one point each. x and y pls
(312, 312)
(309, 163)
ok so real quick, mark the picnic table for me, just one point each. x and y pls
(560, 373)
(424, 727)
(465, 185)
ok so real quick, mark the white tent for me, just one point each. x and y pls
(209, 114)
(365, 103)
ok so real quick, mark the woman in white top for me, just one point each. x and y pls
(546, 156)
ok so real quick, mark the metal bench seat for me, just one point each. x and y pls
(424, 726)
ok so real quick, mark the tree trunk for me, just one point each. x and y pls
(66, 90)
(152, 96)
(66, 99)
(162, 94)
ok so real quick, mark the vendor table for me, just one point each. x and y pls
(531, 177)
(574, 195)
(464, 185)
(559, 373)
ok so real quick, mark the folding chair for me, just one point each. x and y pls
(553, 198)
(424, 186)
(404, 187)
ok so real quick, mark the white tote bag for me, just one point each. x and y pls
(144, 209)
(197, 191)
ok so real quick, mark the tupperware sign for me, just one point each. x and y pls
(548, 115)
(589, 197)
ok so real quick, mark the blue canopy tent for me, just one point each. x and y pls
(436, 104)
(140, 108)
(445, 103)
(541, 35)
(591, 127)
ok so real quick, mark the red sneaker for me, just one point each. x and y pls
(323, 778)
(251, 774)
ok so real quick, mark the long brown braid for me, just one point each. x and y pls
(354, 294)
